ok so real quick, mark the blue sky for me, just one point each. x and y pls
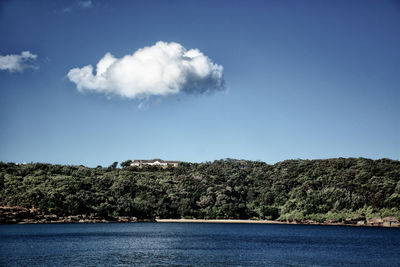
(303, 79)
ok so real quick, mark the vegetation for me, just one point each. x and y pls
(333, 189)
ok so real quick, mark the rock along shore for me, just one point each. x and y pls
(21, 215)
(376, 222)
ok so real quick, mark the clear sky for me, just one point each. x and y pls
(301, 79)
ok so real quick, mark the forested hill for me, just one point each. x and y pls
(332, 189)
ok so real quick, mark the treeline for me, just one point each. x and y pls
(333, 189)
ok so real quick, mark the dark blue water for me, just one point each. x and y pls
(195, 244)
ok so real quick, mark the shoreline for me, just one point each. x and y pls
(241, 221)
(210, 221)
(21, 215)
(219, 221)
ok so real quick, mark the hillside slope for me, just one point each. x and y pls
(321, 190)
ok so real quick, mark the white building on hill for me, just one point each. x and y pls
(154, 162)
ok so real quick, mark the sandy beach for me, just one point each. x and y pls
(217, 221)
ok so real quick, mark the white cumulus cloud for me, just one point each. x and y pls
(158, 70)
(17, 63)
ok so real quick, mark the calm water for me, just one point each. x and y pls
(195, 244)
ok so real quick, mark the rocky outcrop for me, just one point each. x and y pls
(389, 221)
(15, 214)
(12, 215)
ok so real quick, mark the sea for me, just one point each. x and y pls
(197, 244)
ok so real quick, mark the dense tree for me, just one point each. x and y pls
(333, 189)
(126, 163)
(113, 165)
